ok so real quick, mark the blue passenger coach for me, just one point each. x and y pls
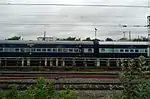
(21, 48)
(10, 48)
(123, 49)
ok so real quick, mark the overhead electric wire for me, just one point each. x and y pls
(51, 25)
(93, 30)
(78, 5)
(69, 16)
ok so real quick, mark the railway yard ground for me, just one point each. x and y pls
(89, 84)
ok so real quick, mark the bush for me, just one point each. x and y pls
(42, 90)
(133, 80)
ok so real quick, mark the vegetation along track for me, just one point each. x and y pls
(61, 86)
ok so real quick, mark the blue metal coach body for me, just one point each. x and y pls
(123, 49)
(10, 48)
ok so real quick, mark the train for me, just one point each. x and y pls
(93, 49)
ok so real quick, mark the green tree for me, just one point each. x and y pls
(41, 90)
(108, 39)
(87, 39)
(134, 83)
(14, 38)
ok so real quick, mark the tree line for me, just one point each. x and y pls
(87, 39)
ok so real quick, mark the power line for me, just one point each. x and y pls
(67, 16)
(92, 30)
(51, 25)
(76, 5)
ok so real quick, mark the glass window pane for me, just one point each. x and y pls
(1, 49)
(90, 50)
(121, 50)
(33, 50)
(11, 49)
(38, 49)
(5, 49)
(59, 49)
(131, 50)
(76, 50)
(65, 50)
(17, 50)
(26, 49)
(70, 50)
(126, 50)
(22, 49)
(136, 50)
(49, 50)
(54, 50)
(102, 50)
(43, 50)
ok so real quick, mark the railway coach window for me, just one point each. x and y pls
(54, 50)
(70, 50)
(48, 50)
(136, 50)
(121, 50)
(6, 50)
(22, 49)
(17, 50)
(1, 49)
(102, 50)
(142, 50)
(33, 49)
(43, 50)
(90, 50)
(59, 49)
(11, 49)
(65, 50)
(76, 50)
(131, 50)
(126, 50)
(26, 49)
(38, 50)
(146, 50)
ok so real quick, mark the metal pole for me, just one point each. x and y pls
(130, 35)
(124, 33)
(148, 21)
(44, 35)
(95, 33)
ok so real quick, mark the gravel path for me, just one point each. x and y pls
(73, 80)
(97, 94)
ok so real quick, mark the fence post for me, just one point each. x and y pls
(22, 63)
(98, 62)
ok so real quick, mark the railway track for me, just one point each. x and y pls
(55, 75)
(60, 75)
(23, 79)
(62, 86)
(58, 68)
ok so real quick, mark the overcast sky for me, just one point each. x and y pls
(79, 21)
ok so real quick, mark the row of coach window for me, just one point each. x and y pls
(71, 50)
(75, 50)
(122, 50)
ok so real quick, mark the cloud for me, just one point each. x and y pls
(82, 17)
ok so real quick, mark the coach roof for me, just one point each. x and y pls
(122, 43)
(44, 42)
